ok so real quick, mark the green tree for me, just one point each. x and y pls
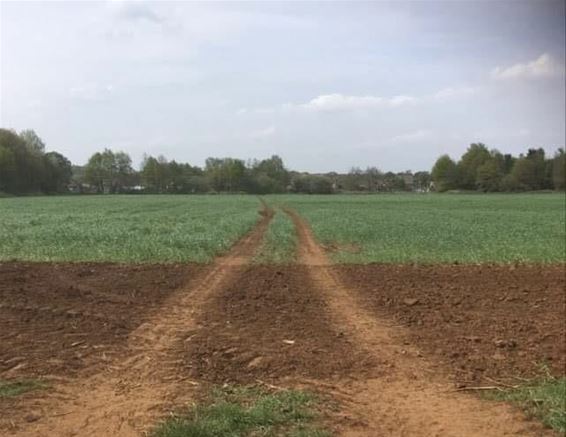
(21, 168)
(37, 171)
(226, 174)
(354, 180)
(374, 179)
(312, 184)
(445, 174)
(155, 174)
(476, 155)
(109, 172)
(33, 142)
(95, 172)
(268, 176)
(559, 170)
(59, 173)
(124, 173)
(530, 172)
(422, 180)
(235, 173)
(392, 182)
(26, 168)
(489, 176)
(8, 169)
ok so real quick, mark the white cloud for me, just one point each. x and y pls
(402, 100)
(340, 102)
(337, 102)
(544, 66)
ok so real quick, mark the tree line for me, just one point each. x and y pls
(487, 170)
(26, 168)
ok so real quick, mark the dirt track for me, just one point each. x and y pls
(186, 327)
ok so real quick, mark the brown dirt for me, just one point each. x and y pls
(133, 390)
(413, 397)
(482, 322)
(250, 324)
(61, 319)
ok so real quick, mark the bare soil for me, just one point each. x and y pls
(270, 326)
(123, 345)
(483, 322)
(61, 319)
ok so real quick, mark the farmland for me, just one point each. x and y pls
(293, 315)
(354, 229)
(123, 229)
(437, 229)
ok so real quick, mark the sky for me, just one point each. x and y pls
(325, 85)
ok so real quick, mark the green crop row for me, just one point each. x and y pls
(280, 241)
(123, 228)
(436, 228)
(354, 228)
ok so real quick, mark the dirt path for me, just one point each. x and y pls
(128, 397)
(411, 398)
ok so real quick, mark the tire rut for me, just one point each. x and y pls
(411, 398)
(130, 394)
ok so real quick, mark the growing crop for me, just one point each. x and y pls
(280, 241)
(437, 228)
(123, 228)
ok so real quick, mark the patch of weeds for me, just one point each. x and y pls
(543, 398)
(9, 389)
(247, 411)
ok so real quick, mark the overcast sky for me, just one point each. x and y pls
(325, 85)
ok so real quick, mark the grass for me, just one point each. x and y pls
(543, 398)
(246, 411)
(437, 228)
(280, 241)
(123, 228)
(9, 389)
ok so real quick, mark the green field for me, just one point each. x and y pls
(123, 228)
(401, 228)
(279, 243)
(433, 228)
